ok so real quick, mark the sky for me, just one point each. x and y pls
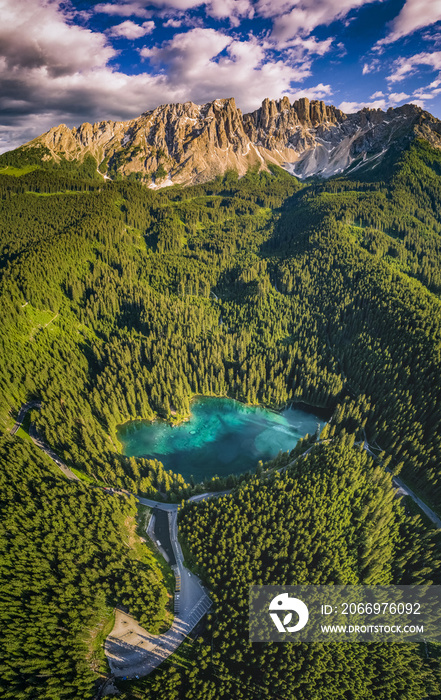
(75, 61)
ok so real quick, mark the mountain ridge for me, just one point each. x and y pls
(185, 143)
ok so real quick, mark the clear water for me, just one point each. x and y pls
(222, 437)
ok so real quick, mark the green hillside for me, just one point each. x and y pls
(112, 300)
(120, 302)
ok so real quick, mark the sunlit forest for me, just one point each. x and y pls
(119, 303)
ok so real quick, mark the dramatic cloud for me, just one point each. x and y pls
(54, 72)
(131, 30)
(187, 52)
(34, 36)
(54, 68)
(403, 67)
(415, 14)
(206, 63)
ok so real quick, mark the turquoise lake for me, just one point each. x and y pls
(222, 437)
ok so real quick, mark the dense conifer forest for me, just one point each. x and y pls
(68, 555)
(121, 302)
(306, 523)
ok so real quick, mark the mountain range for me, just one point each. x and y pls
(122, 301)
(189, 143)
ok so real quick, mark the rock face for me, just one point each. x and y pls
(189, 143)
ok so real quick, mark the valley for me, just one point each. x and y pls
(256, 290)
(131, 651)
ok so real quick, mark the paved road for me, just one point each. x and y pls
(22, 412)
(425, 508)
(153, 504)
(50, 453)
(175, 506)
(208, 494)
(399, 484)
(132, 651)
(159, 531)
(36, 440)
(435, 519)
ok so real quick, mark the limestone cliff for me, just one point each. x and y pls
(189, 143)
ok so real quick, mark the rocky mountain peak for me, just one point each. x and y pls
(194, 143)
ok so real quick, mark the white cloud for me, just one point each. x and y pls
(173, 23)
(433, 36)
(342, 50)
(187, 52)
(372, 66)
(395, 97)
(54, 72)
(180, 19)
(350, 107)
(130, 9)
(415, 14)
(318, 92)
(294, 17)
(180, 5)
(301, 48)
(234, 10)
(378, 101)
(420, 94)
(131, 30)
(403, 67)
(428, 92)
(204, 64)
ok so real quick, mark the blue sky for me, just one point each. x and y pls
(74, 61)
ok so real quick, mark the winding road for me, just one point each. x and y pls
(397, 482)
(22, 413)
(406, 491)
(132, 651)
(37, 441)
(50, 453)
